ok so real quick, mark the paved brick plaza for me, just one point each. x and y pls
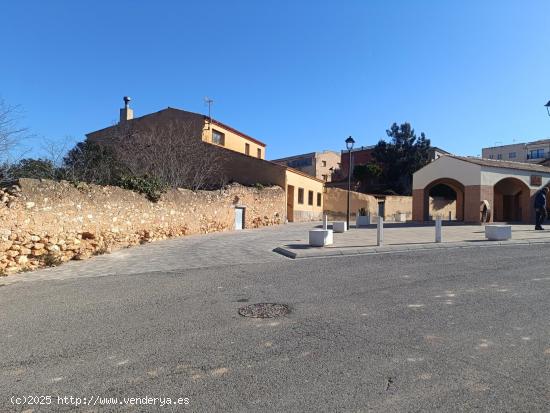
(257, 245)
(399, 237)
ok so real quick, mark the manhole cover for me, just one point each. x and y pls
(264, 310)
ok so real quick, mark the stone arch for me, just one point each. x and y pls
(512, 201)
(456, 186)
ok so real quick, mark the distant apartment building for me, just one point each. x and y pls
(533, 152)
(321, 165)
(359, 156)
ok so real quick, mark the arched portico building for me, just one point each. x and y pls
(444, 198)
(512, 201)
(507, 187)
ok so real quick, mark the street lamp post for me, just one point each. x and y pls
(548, 107)
(349, 146)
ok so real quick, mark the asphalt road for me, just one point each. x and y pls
(459, 330)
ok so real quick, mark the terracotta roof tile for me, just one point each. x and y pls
(494, 163)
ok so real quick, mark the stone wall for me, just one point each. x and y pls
(396, 206)
(335, 205)
(442, 207)
(45, 223)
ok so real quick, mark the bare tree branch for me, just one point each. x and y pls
(10, 132)
(56, 150)
(171, 152)
(10, 135)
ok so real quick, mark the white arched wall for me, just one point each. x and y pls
(491, 176)
(518, 206)
(446, 167)
(478, 181)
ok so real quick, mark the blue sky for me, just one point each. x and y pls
(299, 75)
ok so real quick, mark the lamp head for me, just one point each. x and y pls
(350, 142)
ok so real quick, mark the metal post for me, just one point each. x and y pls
(349, 188)
(380, 231)
(325, 222)
(438, 229)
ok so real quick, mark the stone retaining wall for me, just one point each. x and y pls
(395, 206)
(442, 208)
(335, 205)
(44, 223)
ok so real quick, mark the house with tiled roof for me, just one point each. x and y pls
(240, 157)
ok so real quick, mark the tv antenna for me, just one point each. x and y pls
(209, 102)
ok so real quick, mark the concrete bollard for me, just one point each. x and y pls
(438, 230)
(498, 232)
(339, 226)
(380, 231)
(325, 222)
(320, 237)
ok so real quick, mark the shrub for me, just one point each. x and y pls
(51, 260)
(102, 250)
(150, 186)
(33, 168)
(92, 163)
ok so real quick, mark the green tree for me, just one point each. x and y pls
(403, 155)
(33, 168)
(367, 175)
(90, 162)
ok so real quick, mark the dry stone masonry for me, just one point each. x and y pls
(45, 223)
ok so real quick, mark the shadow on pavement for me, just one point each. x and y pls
(299, 246)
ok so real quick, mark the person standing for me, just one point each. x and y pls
(540, 208)
(485, 211)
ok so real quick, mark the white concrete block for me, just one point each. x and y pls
(400, 217)
(498, 232)
(320, 237)
(339, 226)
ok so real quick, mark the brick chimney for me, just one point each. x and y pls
(126, 113)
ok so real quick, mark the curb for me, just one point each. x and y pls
(320, 252)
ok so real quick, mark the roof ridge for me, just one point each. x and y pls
(214, 121)
(498, 163)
